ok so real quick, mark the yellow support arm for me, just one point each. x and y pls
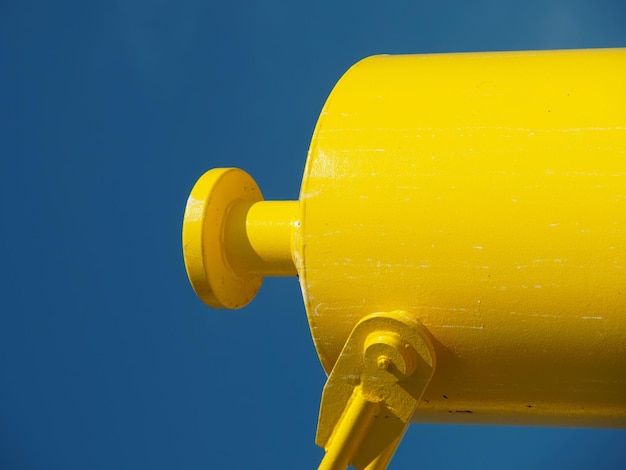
(373, 391)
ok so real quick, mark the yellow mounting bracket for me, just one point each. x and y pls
(373, 390)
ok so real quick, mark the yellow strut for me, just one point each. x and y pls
(373, 391)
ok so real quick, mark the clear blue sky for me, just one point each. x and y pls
(109, 111)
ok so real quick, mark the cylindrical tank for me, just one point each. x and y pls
(485, 194)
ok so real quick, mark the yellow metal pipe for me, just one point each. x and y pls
(258, 237)
(383, 459)
(350, 432)
(485, 195)
(270, 226)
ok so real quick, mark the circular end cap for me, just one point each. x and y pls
(204, 249)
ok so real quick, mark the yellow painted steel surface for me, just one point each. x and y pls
(484, 195)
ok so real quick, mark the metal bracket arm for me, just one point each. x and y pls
(373, 390)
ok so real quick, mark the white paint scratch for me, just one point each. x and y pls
(193, 210)
(469, 327)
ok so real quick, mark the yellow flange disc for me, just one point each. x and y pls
(204, 243)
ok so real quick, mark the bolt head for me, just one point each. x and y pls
(383, 362)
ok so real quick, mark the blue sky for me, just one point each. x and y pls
(109, 112)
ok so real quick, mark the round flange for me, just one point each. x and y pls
(204, 244)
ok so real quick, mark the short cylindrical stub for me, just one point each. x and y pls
(265, 245)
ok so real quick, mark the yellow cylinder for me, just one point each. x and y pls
(485, 194)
